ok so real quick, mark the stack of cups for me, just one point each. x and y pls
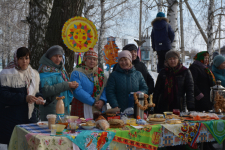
(51, 120)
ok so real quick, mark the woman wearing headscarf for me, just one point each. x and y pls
(174, 86)
(19, 91)
(218, 68)
(54, 81)
(124, 80)
(89, 96)
(203, 80)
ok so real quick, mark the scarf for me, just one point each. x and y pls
(52, 74)
(199, 60)
(171, 85)
(99, 79)
(13, 76)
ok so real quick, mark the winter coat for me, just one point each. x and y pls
(219, 74)
(14, 110)
(140, 66)
(185, 86)
(162, 34)
(202, 84)
(50, 92)
(120, 83)
(85, 89)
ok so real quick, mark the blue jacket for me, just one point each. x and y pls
(85, 89)
(162, 34)
(219, 74)
(121, 83)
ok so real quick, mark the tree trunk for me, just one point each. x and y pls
(172, 16)
(159, 4)
(182, 32)
(61, 12)
(101, 35)
(38, 19)
(210, 28)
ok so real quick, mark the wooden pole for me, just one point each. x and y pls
(220, 27)
(140, 20)
(196, 21)
(182, 32)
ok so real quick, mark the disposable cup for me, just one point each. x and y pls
(53, 129)
(51, 120)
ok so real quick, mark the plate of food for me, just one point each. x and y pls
(43, 124)
(88, 125)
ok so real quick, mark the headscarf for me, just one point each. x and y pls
(199, 57)
(13, 76)
(96, 73)
(52, 74)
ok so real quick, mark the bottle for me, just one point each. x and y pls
(151, 109)
(60, 109)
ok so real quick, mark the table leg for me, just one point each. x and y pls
(201, 148)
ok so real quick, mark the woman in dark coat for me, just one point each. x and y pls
(172, 84)
(203, 80)
(19, 91)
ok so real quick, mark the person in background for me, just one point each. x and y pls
(123, 80)
(218, 69)
(90, 96)
(174, 88)
(162, 37)
(54, 81)
(139, 66)
(203, 80)
(19, 91)
(214, 55)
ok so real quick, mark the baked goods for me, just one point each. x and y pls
(219, 103)
(100, 117)
(116, 123)
(157, 119)
(102, 124)
(88, 123)
(174, 121)
(110, 114)
(138, 104)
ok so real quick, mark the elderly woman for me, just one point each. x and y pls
(19, 91)
(218, 68)
(54, 81)
(203, 80)
(124, 80)
(174, 84)
(90, 94)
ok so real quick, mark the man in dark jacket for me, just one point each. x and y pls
(139, 66)
(162, 36)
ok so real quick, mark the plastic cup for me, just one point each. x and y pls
(53, 129)
(51, 120)
(73, 126)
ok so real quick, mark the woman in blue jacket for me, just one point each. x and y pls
(89, 96)
(218, 68)
(19, 91)
(124, 80)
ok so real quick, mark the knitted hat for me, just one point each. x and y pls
(126, 54)
(218, 60)
(160, 14)
(91, 53)
(54, 50)
(171, 53)
(130, 47)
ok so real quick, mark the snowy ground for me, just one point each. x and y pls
(3, 147)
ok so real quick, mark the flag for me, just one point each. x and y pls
(78, 58)
(139, 53)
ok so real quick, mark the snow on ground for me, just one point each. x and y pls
(3, 146)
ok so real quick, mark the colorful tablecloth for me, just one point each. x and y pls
(147, 137)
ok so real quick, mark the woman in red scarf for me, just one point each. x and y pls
(174, 87)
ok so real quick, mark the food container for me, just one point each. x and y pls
(168, 113)
(159, 116)
(59, 129)
(132, 121)
(217, 96)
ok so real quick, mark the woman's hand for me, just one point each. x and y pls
(40, 101)
(99, 104)
(31, 99)
(73, 85)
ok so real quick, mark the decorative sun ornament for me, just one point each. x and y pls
(79, 34)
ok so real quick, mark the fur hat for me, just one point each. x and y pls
(172, 53)
(54, 50)
(130, 47)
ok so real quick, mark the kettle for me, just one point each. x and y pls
(137, 110)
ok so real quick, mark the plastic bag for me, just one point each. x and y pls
(102, 124)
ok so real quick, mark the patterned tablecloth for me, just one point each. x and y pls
(32, 137)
